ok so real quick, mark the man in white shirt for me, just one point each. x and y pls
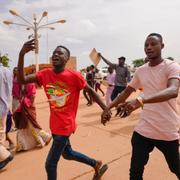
(159, 121)
(5, 97)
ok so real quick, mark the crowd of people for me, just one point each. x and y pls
(159, 122)
(115, 82)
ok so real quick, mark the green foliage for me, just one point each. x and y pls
(138, 62)
(4, 59)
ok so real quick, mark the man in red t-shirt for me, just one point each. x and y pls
(62, 88)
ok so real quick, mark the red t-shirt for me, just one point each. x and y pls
(62, 91)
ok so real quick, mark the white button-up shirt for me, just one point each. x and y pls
(5, 89)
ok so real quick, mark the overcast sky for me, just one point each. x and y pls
(114, 27)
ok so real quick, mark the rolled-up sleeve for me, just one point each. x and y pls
(135, 82)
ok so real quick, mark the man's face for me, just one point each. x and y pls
(110, 70)
(59, 57)
(15, 70)
(121, 62)
(153, 46)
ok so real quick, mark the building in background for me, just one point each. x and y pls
(71, 64)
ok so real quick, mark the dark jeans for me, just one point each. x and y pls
(116, 91)
(61, 146)
(142, 146)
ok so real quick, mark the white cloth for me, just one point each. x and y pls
(5, 89)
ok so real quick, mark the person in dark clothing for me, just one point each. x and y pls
(122, 75)
(89, 79)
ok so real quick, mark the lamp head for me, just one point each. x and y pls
(7, 22)
(61, 21)
(45, 13)
(13, 12)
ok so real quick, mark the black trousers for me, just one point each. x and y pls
(142, 146)
(117, 90)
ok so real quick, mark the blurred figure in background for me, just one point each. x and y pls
(29, 133)
(90, 82)
(98, 82)
(122, 75)
(110, 80)
(5, 97)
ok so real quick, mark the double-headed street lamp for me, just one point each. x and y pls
(35, 26)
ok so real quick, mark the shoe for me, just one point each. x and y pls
(6, 161)
(99, 170)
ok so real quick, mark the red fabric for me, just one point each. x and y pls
(28, 95)
(62, 91)
(16, 89)
(30, 91)
(26, 110)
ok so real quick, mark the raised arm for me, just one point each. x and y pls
(106, 61)
(28, 46)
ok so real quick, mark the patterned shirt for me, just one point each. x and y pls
(122, 75)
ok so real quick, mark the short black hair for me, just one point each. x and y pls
(92, 66)
(67, 50)
(122, 57)
(157, 35)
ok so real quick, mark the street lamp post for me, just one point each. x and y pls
(35, 26)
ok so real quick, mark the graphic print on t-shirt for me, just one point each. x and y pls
(57, 95)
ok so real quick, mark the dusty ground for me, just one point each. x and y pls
(110, 143)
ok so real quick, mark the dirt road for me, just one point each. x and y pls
(110, 143)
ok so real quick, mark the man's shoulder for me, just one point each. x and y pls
(170, 62)
(72, 72)
(142, 68)
(46, 70)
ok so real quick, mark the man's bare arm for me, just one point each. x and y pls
(28, 46)
(106, 61)
(95, 96)
(121, 97)
(164, 95)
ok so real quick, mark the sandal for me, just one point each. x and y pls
(100, 172)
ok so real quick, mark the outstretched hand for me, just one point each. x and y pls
(28, 46)
(120, 110)
(125, 109)
(105, 116)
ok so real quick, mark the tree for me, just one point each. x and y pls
(4, 59)
(138, 62)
